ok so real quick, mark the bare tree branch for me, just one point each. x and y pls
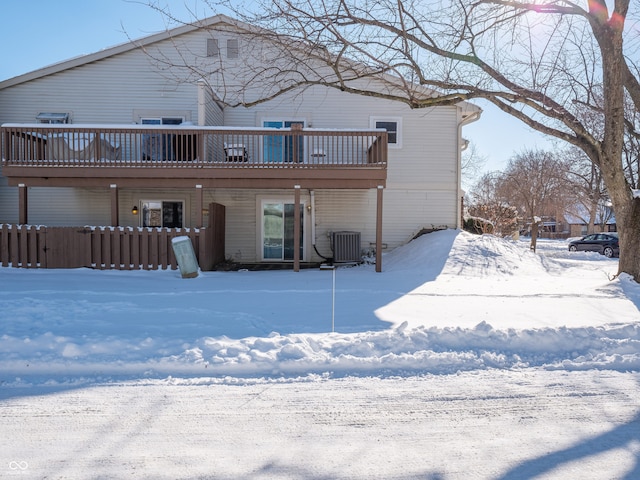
(540, 62)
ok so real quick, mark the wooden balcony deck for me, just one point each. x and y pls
(181, 156)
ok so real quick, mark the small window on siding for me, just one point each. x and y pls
(212, 47)
(161, 120)
(233, 48)
(393, 126)
(50, 117)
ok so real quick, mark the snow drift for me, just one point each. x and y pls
(446, 302)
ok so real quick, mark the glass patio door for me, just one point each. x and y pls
(282, 148)
(278, 229)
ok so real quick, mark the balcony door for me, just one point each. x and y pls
(278, 229)
(282, 148)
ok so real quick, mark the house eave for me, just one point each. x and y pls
(115, 50)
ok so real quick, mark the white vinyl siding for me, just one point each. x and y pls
(69, 206)
(106, 91)
(422, 182)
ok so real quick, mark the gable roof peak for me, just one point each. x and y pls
(129, 45)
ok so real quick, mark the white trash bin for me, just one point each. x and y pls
(186, 257)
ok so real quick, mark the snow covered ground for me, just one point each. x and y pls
(468, 357)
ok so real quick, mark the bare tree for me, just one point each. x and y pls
(535, 182)
(590, 201)
(539, 61)
(472, 163)
(489, 212)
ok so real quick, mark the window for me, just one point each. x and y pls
(158, 213)
(279, 149)
(233, 48)
(162, 121)
(393, 126)
(50, 117)
(277, 230)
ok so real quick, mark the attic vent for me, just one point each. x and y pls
(346, 247)
(233, 48)
(212, 47)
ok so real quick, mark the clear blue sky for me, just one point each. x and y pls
(37, 33)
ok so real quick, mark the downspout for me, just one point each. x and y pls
(312, 193)
(462, 145)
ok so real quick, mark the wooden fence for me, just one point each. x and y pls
(104, 248)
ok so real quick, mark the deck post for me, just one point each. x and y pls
(379, 230)
(199, 206)
(23, 209)
(114, 205)
(296, 229)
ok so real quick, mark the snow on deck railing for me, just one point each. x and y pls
(133, 145)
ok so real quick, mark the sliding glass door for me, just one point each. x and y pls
(278, 230)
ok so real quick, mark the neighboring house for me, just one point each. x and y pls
(579, 226)
(117, 138)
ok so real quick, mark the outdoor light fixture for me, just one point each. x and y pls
(134, 210)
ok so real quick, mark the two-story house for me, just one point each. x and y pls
(126, 137)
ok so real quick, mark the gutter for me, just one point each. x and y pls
(462, 145)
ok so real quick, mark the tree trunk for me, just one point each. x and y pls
(628, 221)
(608, 34)
(534, 234)
(593, 213)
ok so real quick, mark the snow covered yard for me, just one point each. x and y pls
(468, 357)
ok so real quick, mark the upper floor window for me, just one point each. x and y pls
(50, 117)
(161, 120)
(393, 126)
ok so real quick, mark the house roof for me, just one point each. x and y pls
(580, 213)
(117, 49)
(470, 111)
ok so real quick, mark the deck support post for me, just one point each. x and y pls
(23, 209)
(296, 229)
(199, 206)
(379, 230)
(114, 205)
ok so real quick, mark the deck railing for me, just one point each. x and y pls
(190, 146)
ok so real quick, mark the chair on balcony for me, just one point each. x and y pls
(235, 152)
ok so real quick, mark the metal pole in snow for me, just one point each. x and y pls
(333, 302)
(333, 294)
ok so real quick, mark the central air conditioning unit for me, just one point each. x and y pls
(346, 247)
